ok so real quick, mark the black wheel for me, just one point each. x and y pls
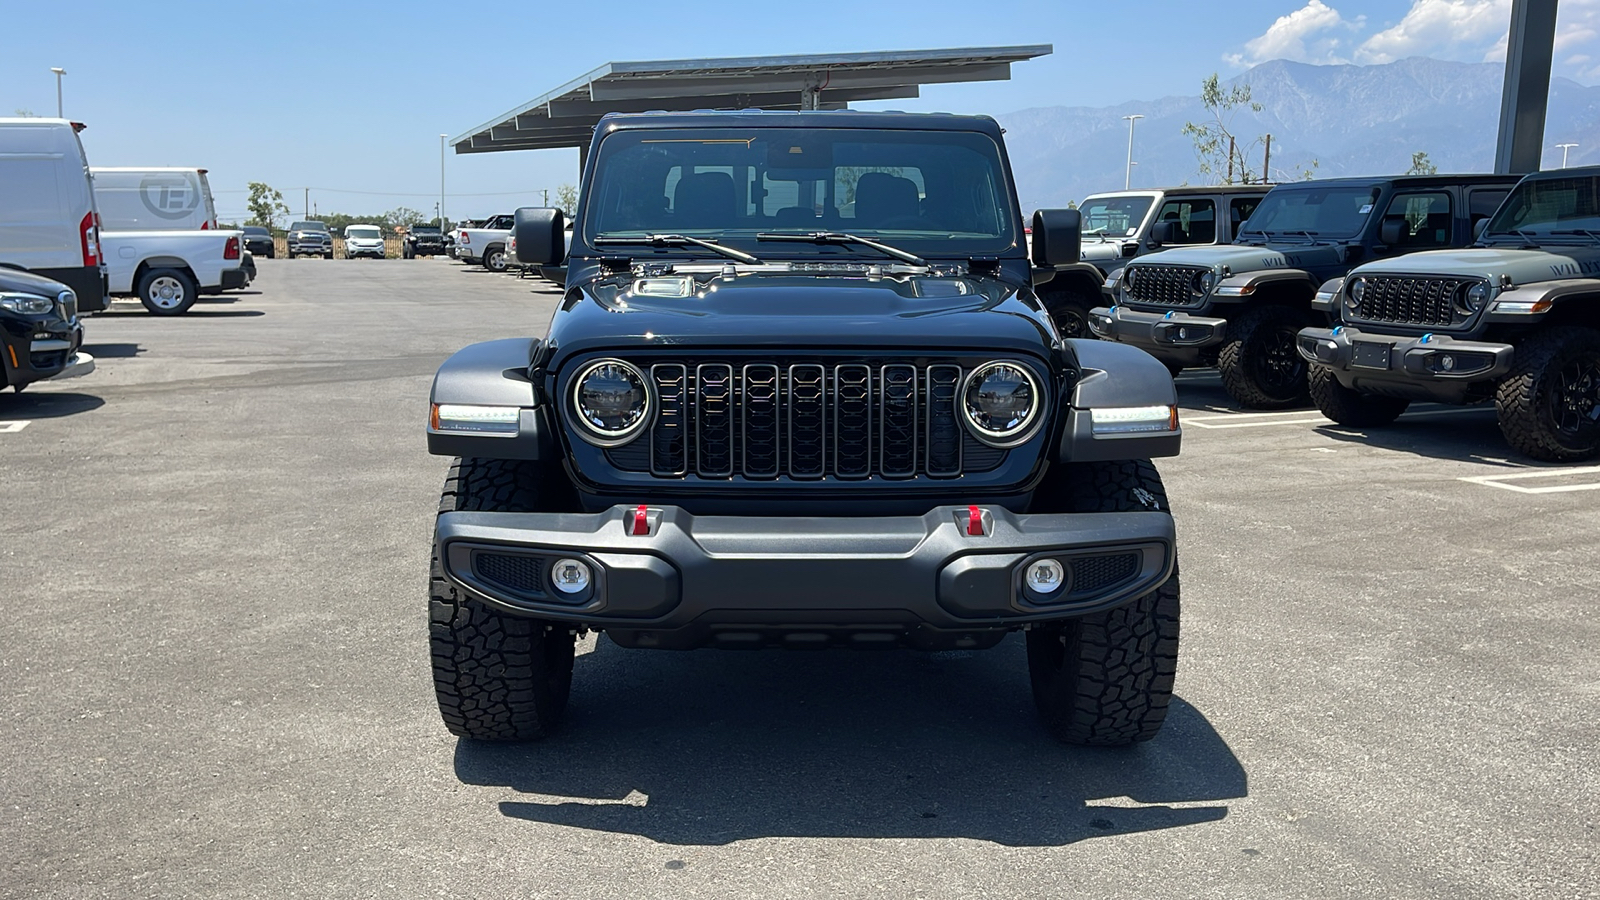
(328, 255)
(291, 254)
(272, 253)
(1069, 309)
(1549, 405)
(1351, 407)
(1107, 678)
(497, 677)
(405, 253)
(1260, 367)
(167, 292)
(495, 259)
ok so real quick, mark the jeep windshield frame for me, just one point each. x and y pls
(935, 193)
(1313, 212)
(1554, 208)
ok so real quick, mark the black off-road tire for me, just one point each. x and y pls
(1549, 404)
(497, 677)
(1069, 309)
(1106, 679)
(1351, 407)
(1260, 367)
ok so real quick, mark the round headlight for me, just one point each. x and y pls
(1001, 402)
(1473, 298)
(1129, 274)
(1204, 282)
(611, 402)
(1354, 293)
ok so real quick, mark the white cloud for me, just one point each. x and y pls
(1442, 29)
(1315, 33)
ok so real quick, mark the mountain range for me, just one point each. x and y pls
(1349, 119)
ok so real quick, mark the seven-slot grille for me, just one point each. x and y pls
(805, 420)
(1164, 285)
(1409, 300)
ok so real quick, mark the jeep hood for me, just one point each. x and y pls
(1241, 258)
(789, 312)
(1522, 266)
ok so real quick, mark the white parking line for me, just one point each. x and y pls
(1304, 417)
(12, 427)
(1499, 481)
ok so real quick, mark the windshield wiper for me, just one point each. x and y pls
(839, 237)
(1527, 237)
(679, 240)
(1583, 231)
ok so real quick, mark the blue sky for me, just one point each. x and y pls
(350, 99)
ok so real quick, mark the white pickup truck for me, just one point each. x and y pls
(169, 270)
(485, 244)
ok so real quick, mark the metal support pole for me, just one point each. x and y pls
(1564, 149)
(441, 183)
(307, 206)
(1127, 180)
(1530, 48)
(59, 72)
(1266, 163)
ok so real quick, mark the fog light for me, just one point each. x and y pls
(1183, 334)
(570, 576)
(1046, 576)
(1447, 363)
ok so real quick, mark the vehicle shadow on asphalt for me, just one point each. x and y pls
(713, 747)
(1460, 435)
(47, 405)
(125, 350)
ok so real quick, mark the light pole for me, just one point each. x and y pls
(1564, 149)
(441, 183)
(59, 72)
(1127, 182)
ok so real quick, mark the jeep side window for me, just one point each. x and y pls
(1196, 220)
(1427, 218)
(1239, 210)
(1482, 203)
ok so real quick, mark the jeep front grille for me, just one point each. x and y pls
(805, 420)
(1164, 286)
(1409, 300)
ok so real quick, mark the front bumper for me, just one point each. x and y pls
(1170, 336)
(312, 248)
(728, 581)
(45, 352)
(363, 251)
(1428, 367)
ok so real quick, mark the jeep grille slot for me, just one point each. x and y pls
(511, 571)
(1409, 300)
(1095, 573)
(1164, 286)
(805, 420)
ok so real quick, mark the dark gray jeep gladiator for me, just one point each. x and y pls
(1514, 319)
(1239, 307)
(800, 393)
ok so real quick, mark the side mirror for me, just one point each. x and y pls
(1057, 236)
(1391, 230)
(1162, 233)
(536, 233)
(1479, 227)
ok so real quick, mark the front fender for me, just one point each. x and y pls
(1121, 377)
(491, 374)
(1240, 287)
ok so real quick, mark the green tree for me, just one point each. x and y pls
(25, 113)
(266, 205)
(1223, 157)
(567, 199)
(1421, 165)
(402, 217)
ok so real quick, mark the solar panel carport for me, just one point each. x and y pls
(566, 116)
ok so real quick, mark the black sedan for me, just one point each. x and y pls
(40, 334)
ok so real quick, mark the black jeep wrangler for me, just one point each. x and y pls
(422, 240)
(1514, 319)
(1239, 307)
(800, 393)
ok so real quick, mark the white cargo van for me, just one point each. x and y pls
(48, 223)
(153, 199)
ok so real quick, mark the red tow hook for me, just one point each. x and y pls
(974, 521)
(641, 520)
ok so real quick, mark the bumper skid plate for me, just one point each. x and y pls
(661, 577)
(1170, 330)
(1428, 357)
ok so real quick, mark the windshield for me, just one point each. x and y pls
(424, 229)
(365, 232)
(1321, 212)
(938, 193)
(308, 226)
(1114, 216)
(256, 230)
(1550, 204)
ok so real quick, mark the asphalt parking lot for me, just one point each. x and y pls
(214, 647)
